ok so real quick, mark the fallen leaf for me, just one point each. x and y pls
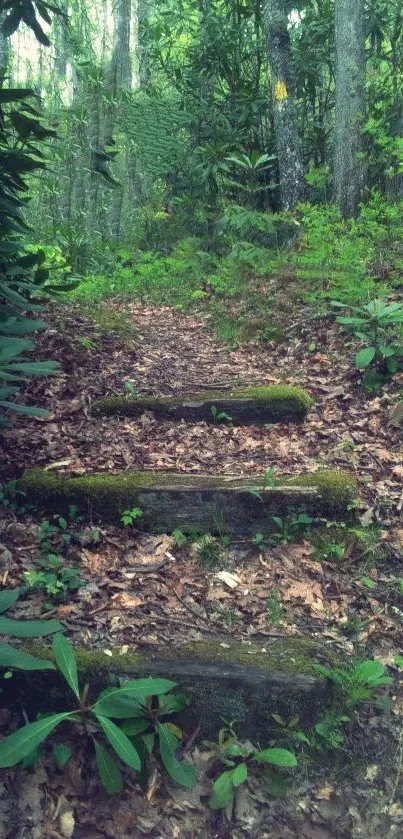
(231, 580)
(127, 601)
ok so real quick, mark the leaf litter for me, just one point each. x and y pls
(141, 591)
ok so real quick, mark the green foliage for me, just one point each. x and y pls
(11, 657)
(53, 577)
(128, 517)
(289, 530)
(375, 324)
(141, 703)
(209, 551)
(276, 611)
(242, 760)
(220, 416)
(359, 682)
(179, 538)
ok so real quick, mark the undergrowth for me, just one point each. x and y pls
(236, 272)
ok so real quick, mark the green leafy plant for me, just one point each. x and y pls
(128, 517)
(11, 657)
(375, 325)
(130, 388)
(275, 607)
(357, 683)
(209, 551)
(220, 416)
(242, 760)
(53, 577)
(132, 702)
(289, 529)
(179, 538)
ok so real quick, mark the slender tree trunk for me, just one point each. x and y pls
(120, 79)
(349, 166)
(289, 151)
(4, 45)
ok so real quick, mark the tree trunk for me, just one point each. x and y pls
(4, 45)
(349, 166)
(291, 167)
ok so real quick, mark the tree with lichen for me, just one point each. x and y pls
(289, 151)
(349, 160)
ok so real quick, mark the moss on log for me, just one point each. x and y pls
(224, 678)
(191, 502)
(276, 403)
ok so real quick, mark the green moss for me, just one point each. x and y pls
(164, 496)
(224, 678)
(260, 404)
(338, 490)
(286, 655)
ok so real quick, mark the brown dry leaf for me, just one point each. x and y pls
(396, 415)
(310, 592)
(127, 601)
(325, 792)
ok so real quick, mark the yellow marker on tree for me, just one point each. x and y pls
(280, 91)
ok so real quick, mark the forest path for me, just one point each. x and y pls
(170, 353)
(147, 592)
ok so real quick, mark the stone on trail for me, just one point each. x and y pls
(254, 405)
(234, 505)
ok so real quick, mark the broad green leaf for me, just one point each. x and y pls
(119, 707)
(133, 727)
(137, 689)
(276, 757)
(173, 703)
(223, 790)
(22, 327)
(181, 772)
(15, 659)
(15, 94)
(26, 410)
(7, 598)
(109, 772)
(370, 671)
(119, 742)
(35, 368)
(62, 754)
(66, 662)
(22, 742)
(364, 357)
(29, 629)
(387, 352)
(240, 774)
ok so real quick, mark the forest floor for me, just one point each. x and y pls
(144, 591)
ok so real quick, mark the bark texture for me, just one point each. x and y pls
(349, 167)
(289, 149)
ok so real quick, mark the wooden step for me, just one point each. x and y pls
(255, 405)
(213, 504)
(243, 681)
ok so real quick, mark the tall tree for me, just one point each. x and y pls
(349, 164)
(289, 152)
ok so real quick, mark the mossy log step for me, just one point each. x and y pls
(224, 679)
(192, 502)
(277, 403)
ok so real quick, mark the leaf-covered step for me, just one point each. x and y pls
(193, 502)
(255, 405)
